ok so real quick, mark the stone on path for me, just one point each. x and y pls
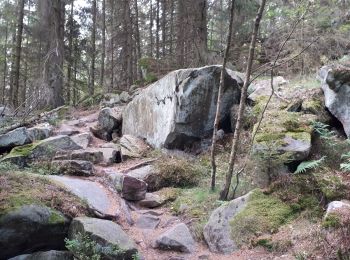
(151, 200)
(92, 155)
(177, 238)
(147, 174)
(40, 132)
(107, 234)
(73, 167)
(132, 147)
(147, 222)
(97, 196)
(82, 139)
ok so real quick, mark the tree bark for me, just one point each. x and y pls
(218, 105)
(138, 40)
(103, 56)
(238, 128)
(16, 69)
(5, 66)
(93, 49)
(70, 53)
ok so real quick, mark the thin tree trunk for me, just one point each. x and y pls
(138, 40)
(218, 105)
(164, 16)
(93, 49)
(70, 53)
(157, 29)
(238, 128)
(103, 56)
(5, 66)
(171, 26)
(151, 29)
(16, 69)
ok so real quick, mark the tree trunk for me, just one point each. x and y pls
(93, 49)
(238, 128)
(218, 105)
(103, 56)
(151, 29)
(180, 41)
(157, 29)
(70, 53)
(5, 66)
(138, 40)
(15, 71)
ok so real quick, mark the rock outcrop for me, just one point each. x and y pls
(180, 107)
(17, 137)
(109, 123)
(48, 255)
(73, 167)
(106, 234)
(30, 229)
(336, 88)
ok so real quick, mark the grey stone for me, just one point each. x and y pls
(124, 97)
(147, 222)
(336, 206)
(132, 147)
(336, 88)
(82, 139)
(5, 111)
(31, 228)
(151, 201)
(109, 121)
(262, 88)
(179, 108)
(48, 255)
(217, 232)
(110, 100)
(92, 155)
(17, 137)
(93, 193)
(73, 167)
(110, 155)
(147, 174)
(177, 238)
(106, 233)
(40, 132)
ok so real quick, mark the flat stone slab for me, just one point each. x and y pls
(94, 193)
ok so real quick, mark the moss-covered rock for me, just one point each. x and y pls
(262, 214)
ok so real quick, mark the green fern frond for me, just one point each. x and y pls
(308, 165)
(346, 156)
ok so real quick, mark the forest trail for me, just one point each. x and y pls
(98, 192)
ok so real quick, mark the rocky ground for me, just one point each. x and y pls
(105, 179)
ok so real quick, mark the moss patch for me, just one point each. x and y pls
(22, 188)
(331, 221)
(263, 214)
(24, 150)
(56, 218)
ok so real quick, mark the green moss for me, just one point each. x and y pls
(331, 185)
(56, 218)
(266, 243)
(24, 150)
(302, 136)
(313, 106)
(262, 214)
(331, 221)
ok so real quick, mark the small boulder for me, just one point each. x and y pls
(106, 234)
(73, 167)
(82, 139)
(111, 154)
(217, 231)
(178, 238)
(147, 222)
(31, 228)
(40, 132)
(92, 155)
(132, 147)
(17, 137)
(109, 121)
(124, 97)
(48, 255)
(147, 174)
(130, 188)
(151, 200)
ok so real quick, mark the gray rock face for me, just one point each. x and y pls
(177, 238)
(180, 107)
(40, 132)
(49, 255)
(132, 147)
(111, 153)
(263, 88)
(109, 122)
(151, 201)
(217, 232)
(82, 139)
(106, 233)
(73, 167)
(130, 188)
(92, 155)
(17, 137)
(30, 229)
(147, 174)
(147, 222)
(337, 206)
(336, 88)
(124, 97)
(49, 147)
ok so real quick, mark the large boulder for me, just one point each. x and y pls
(336, 88)
(40, 132)
(48, 255)
(180, 107)
(73, 167)
(31, 228)
(17, 137)
(217, 231)
(82, 139)
(92, 155)
(178, 238)
(106, 234)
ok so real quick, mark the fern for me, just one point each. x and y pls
(346, 165)
(323, 130)
(308, 165)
